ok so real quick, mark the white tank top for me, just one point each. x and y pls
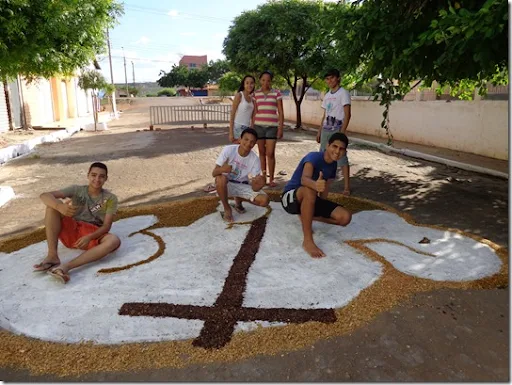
(244, 111)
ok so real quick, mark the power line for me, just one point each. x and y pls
(139, 59)
(160, 11)
(145, 49)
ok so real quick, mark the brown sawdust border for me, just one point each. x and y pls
(61, 359)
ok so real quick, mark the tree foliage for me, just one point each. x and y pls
(166, 92)
(182, 76)
(279, 36)
(387, 46)
(216, 69)
(461, 44)
(230, 81)
(198, 77)
(93, 80)
(45, 37)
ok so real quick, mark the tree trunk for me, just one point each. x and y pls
(299, 115)
(94, 110)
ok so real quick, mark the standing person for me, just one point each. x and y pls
(242, 109)
(337, 113)
(84, 224)
(231, 172)
(268, 123)
(306, 192)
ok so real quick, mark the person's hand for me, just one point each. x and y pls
(226, 168)
(258, 182)
(232, 138)
(320, 183)
(66, 209)
(318, 137)
(83, 242)
(280, 133)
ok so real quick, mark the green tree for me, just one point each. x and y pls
(197, 78)
(177, 76)
(166, 92)
(44, 38)
(280, 36)
(230, 82)
(182, 76)
(133, 91)
(407, 42)
(216, 69)
(109, 89)
(93, 80)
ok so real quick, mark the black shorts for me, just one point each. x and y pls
(323, 207)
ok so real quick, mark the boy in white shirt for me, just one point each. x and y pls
(337, 113)
(232, 170)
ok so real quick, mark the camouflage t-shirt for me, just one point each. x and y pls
(91, 210)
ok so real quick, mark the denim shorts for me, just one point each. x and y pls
(238, 129)
(266, 132)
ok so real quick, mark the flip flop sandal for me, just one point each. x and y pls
(62, 277)
(43, 267)
(272, 184)
(282, 172)
(239, 209)
(210, 188)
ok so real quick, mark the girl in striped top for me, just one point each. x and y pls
(268, 123)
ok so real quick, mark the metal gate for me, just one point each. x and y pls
(217, 113)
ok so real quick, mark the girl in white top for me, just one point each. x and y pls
(242, 110)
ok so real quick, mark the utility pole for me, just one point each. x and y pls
(133, 74)
(125, 76)
(114, 105)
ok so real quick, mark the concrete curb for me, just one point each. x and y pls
(420, 155)
(431, 158)
(24, 148)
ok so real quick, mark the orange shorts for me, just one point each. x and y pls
(71, 231)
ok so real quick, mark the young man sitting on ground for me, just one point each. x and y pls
(84, 223)
(306, 192)
(232, 170)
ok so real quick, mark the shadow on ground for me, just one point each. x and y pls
(103, 147)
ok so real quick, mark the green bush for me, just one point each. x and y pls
(167, 92)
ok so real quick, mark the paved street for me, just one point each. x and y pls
(417, 341)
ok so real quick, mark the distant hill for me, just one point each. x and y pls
(143, 87)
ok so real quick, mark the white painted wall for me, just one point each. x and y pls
(479, 127)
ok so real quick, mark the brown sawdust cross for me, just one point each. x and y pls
(221, 318)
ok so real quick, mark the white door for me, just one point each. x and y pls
(81, 100)
(14, 93)
(4, 117)
(64, 93)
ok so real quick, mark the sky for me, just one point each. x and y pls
(155, 34)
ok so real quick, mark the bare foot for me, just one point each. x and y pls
(312, 249)
(346, 192)
(227, 215)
